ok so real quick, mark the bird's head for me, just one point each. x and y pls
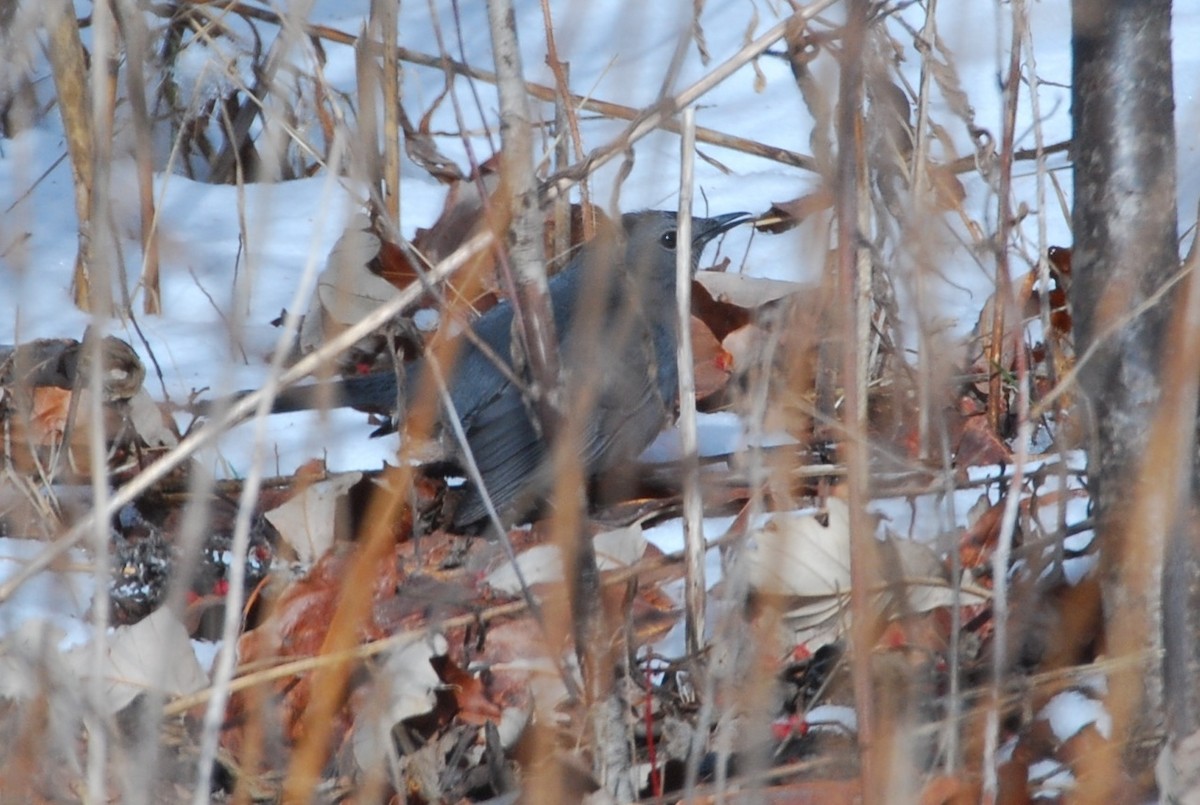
(652, 238)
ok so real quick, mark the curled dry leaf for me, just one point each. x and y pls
(470, 697)
(798, 555)
(978, 445)
(523, 674)
(948, 191)
(148, 420)
(347, 290)
(406, 685)
(307, 521)
(785, 215)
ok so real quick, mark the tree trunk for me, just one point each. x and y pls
(1124, 259)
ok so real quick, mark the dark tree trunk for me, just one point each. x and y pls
(1126, 253)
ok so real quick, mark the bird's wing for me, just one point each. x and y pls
(508, 451)
(628, 414)
(475, 380)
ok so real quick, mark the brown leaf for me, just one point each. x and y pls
(48, 417)
(948, 191)
(976, 543)
(979, 445)
(713, 365)
(474, 707)
(785, 215)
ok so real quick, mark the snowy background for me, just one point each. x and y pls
(617, 52)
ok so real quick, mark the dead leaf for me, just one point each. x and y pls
(980, 446)
(148, 420)
(745, 291)
(542, 564)
(306, 521)
(48, 416)
(798, 555)
(785, 215)
(154, 654)
(474, 707)
(405, 686)
(347, 290)
(948, 191)
(806, 562)
(713, 365)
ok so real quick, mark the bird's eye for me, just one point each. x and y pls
(667, 241)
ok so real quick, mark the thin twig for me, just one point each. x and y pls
(1004, 300)
(850, 250)
(569, 104)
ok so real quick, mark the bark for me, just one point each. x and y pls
(1125, 254)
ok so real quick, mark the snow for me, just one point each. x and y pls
(1071, 711)
(58, 599)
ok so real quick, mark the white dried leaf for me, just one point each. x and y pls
(745, 291)
(406, 686)
(147, 419)
(306, 521)
(346, 290)
(513, 721)
(796, 555)
(542, 564)
(154, 654)
(807, 562)
(620, 547)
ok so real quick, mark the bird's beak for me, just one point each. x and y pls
(705, 229)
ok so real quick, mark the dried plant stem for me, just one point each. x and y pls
(366, 155)
(1004, 290)
(69, 68)
(565, 103)
(383, 14)
(851, 160)
(695, 589)
(1004, 299)
(920, 184)
(533, 314)
(133, 31)
(1165, 499)
(223, 669)
(524, 238)
(102, 75)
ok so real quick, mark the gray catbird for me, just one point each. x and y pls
(615, 315)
